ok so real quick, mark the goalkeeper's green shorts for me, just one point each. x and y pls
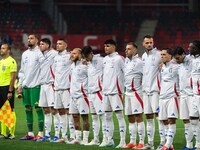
(31, 96)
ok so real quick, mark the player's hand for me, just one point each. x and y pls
(9, 96)
(19, 90)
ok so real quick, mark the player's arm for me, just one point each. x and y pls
(11, 86)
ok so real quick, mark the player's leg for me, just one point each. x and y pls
(150, 126)
(184, 115)
(117, 106)
(29, 114)
(34, 96)
(132, 123)
(109, 122)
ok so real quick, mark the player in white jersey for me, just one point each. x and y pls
(30, 82)
(95, 76)
(61, 69)
(47, 92)
(186, 93)
(168, 101)
(133, 98)
(151, 88)
(194, 48)
(79, 103)
(113, 89)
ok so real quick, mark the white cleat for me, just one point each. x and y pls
(93, 142)
(120, 145)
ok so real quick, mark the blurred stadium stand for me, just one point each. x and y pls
(177, 21)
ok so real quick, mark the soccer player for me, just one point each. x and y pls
(30, 82)
(168, 102)
(151, 88)
(194, 48)
(95, 76)
(61, 69)
(47, 92)
(186, 93)
(113, 88)
(8, 70)
(79, 103)
(133, 101)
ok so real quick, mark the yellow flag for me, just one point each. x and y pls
(6, 115)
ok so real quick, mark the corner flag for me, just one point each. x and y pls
(6, 115)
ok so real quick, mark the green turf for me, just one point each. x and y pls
(21, 130)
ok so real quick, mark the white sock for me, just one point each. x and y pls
(166, 127)
(188, 135)
(150, 130)
(78, 135)
(133, 132)
(122, 126)
(161, 131)
(56, 118)
(141, 132)
(40, 133)
(96, 126)
(63, 124)
(196, 131)
(31, 134)
(109, 125)
(85, 135)
(170, 135)
(103, 120)
(47, 123)
(71, 126)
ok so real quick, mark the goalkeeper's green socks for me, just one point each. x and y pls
(40, 115)
(29, 119)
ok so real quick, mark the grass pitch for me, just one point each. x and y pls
(21, 130)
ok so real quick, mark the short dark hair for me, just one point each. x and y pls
(47, 41)
(62, 39)
(148, 37)
(178, 51)
(132, 43)
(86, 50)
(197, 44)
(169, 50)
(9, 46)
(110, 41)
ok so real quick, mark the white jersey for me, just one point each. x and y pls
(46, 74)
(169, 80)
(79, 80)
(113, 74)
(133, 75)
(196, 75)
(185, 80)
(151, 72)
(61, 69)
(29, 74)
(95, 74)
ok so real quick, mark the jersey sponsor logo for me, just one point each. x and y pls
(100, 111)
(135, 110)
(83, 110)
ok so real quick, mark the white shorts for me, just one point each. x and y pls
(112, 102)
(168, 109)
(133, 104)
(185, 106)
(62, 99)
(195, 108)
(79, 106)
(96, 103)
(151, 103)
(47, 96)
